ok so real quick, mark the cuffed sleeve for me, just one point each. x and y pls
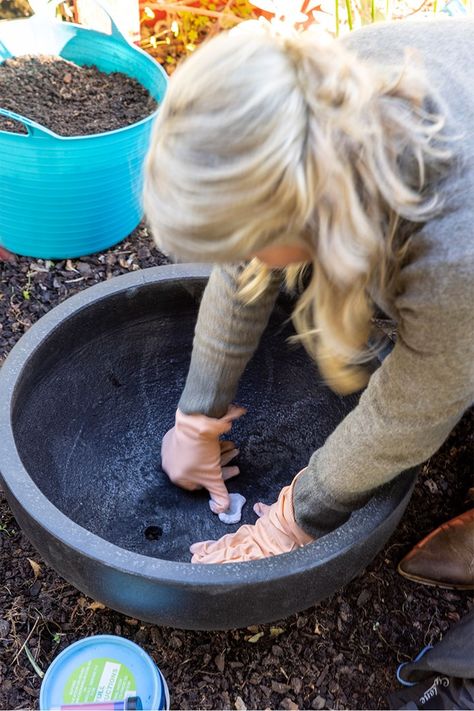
(412, 401)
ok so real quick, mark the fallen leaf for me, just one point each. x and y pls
(36, 567)
(96, 606)
(280, 688)
(254, 638)
(239, 704)
(296, 684)
(289, 705)
(219, 661)
(70, 267)
(33, 662)
(276, 631)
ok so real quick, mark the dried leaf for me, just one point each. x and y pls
(276, 631)
(36, 567)
(33, 662)
(239, 704)
(219, 661)
(280, 688)
(96, 606)
(254, 638)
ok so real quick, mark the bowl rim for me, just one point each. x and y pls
(46, 515)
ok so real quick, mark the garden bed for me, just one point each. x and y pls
(340, 654)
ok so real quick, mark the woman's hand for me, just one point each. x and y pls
(275, 532)
(194, 457)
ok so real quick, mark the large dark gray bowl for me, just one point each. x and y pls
(86, 396)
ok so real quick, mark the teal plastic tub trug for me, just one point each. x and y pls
(62, 196)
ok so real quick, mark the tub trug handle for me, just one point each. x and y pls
(115, 31)
(32, 127)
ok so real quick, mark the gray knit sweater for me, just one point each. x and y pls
(422, 388)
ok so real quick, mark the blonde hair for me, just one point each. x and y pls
(268, 136)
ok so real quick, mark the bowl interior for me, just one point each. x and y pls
(97, 396)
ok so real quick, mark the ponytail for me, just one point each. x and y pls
(268, 136)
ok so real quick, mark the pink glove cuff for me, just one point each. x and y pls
(207, 427)
(282, 515)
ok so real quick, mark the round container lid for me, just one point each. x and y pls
(103, 668)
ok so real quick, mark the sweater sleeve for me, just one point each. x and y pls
(412, 401)
(226, 336)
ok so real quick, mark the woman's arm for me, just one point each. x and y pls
(412, 401)
(226, 336)
(407, 411)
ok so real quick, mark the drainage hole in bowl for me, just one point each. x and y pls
(152, 533)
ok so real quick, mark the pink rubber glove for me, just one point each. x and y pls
(194, 457)
(275, 532)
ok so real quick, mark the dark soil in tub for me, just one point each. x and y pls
(340, 654)
(106, 403)
(69, 99)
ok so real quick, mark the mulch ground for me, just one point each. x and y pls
(70, 100)
(340, 654)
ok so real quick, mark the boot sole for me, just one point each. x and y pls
(434, 583)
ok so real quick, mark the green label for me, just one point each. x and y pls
(99, 679)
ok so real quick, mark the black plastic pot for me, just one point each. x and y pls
(86, 396)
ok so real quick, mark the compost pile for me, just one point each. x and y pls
(69, 99)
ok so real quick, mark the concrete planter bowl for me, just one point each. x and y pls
(86, 396)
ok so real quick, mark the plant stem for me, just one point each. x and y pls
(349, 14)
(336, 16)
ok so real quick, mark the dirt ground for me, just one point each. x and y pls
(340, 654)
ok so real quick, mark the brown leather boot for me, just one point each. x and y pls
(444, 558)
